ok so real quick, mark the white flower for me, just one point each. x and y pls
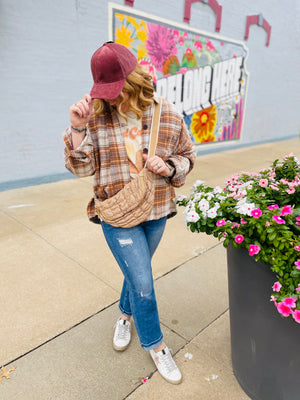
(197, 196)
(192, 216)
(209, 196)
(203, 205)
(212, 213)
(181, 197)
(217, 206)
(197, 183)
(245, 208)
(217, 189)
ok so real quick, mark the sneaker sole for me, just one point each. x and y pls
(118, 348)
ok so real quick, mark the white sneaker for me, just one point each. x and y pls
(122, 335)
(166, 366)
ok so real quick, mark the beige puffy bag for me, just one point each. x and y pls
(133, 204)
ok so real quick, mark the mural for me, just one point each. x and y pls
(203, 75)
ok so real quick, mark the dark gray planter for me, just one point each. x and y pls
(265, 346)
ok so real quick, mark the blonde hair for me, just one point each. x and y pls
(139, 86)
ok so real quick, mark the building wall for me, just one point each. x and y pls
(45, 51)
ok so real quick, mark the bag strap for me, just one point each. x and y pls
(154, 128)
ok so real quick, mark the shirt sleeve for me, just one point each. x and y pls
(183, 158)
(79, 161)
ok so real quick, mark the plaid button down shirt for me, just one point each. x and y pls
(103, 154)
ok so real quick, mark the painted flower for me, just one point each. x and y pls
(278, 219)
(239, 238)
(142, 35)
(171, 65)
(141, 51)
(276, 287)
(198, 45)
(221, 222)
(203, 124)
(160, 44)
(286, 210)
(253, 249)
(263, 182)
(123, 36)
(284, 309)
(256, 213)
(209, 45)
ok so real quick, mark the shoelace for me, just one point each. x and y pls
(122, 330)
(167, 361)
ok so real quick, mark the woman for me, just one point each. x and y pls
(108, 138)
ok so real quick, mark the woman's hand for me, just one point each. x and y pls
(81, 111)
(157, 166)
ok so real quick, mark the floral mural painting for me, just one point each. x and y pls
(204, 76)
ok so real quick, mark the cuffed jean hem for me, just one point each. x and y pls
(153, 345)
(124, 312)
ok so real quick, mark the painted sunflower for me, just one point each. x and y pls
(203, 125)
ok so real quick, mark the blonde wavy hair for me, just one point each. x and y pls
(139, 86)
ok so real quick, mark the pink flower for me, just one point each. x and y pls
(209, 45)
(256, 213)
(268, 223)
(278, 219)
(161, 44)
(243, 221)
(284, 181)
(273, 298)
(276, 287)
(273, 207)
(286, 210)
(239, 238)
(263, 182)
(297, 263)
(181, 41)
(253, 249)
(283, 309)
(175, 33)
(274, 187)
(297, 247)
(296, 315)
(290, 301)
(298, 218)
(198, 45)
(235, 225)
(290, 190)
(221, 222)
(298, 288)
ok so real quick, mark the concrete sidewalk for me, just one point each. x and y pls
(60, 288)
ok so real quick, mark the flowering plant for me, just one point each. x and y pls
(259, 212)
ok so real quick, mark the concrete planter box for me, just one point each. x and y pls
(265, 347)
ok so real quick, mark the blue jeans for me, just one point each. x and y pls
(133, 249)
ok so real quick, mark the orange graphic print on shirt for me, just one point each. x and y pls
(133, 142)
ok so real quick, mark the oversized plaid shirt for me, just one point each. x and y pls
(103, 154)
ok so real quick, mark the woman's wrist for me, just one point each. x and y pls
(79, 129)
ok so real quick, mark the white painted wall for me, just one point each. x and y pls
(45, 50)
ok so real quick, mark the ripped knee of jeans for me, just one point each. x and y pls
(125, 242)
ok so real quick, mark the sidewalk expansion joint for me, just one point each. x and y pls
(60, 251)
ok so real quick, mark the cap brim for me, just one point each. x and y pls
(107, 90)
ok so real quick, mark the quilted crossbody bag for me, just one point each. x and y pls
(133, 204)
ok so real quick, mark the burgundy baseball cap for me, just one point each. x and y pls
(110, 66)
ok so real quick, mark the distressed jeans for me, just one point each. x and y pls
(133, 249)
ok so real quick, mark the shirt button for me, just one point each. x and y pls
(145, 126)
